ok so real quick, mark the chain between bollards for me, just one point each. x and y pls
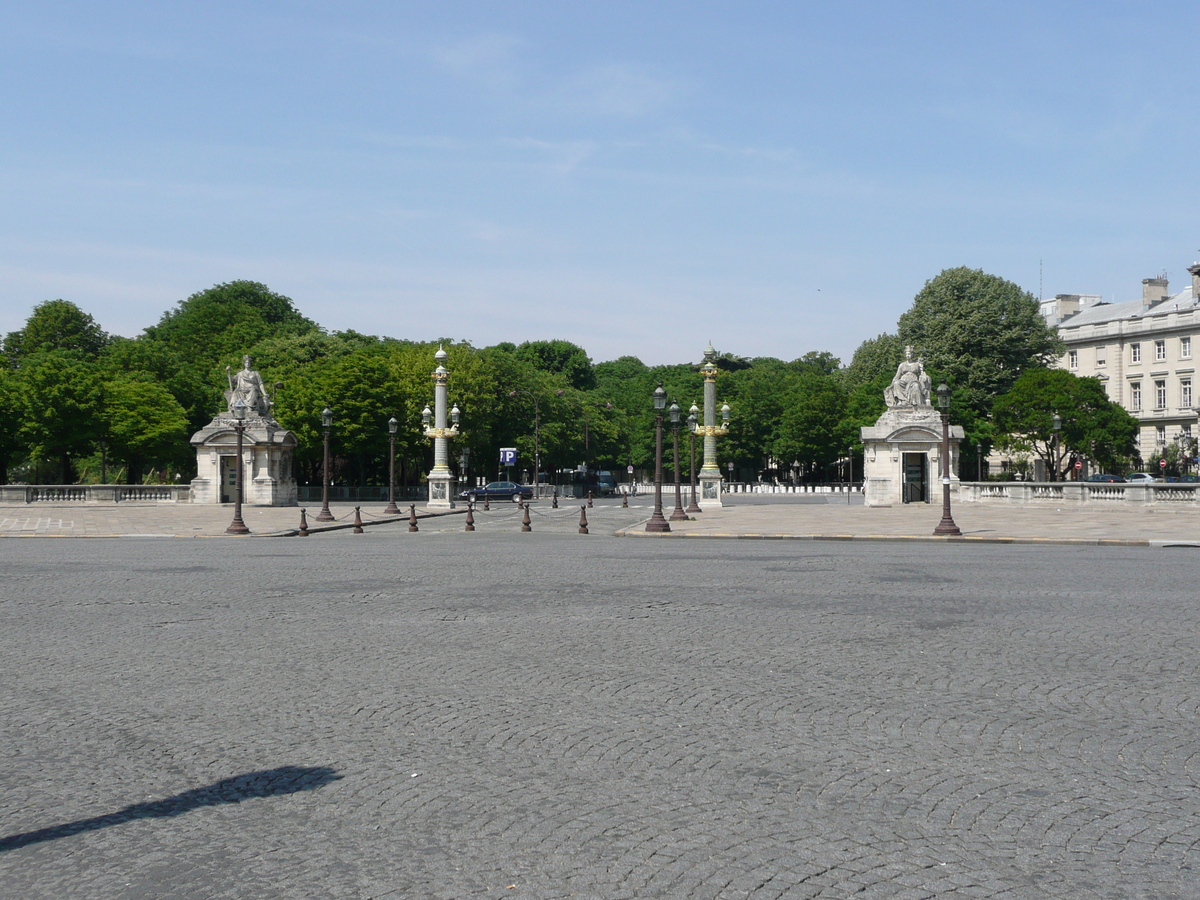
(583, 529)
(412, 518)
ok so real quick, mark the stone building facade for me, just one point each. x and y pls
(1143, 351)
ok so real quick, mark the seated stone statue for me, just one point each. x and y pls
(911, 387)
(248, 386)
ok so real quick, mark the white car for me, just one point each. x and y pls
(1142, 478)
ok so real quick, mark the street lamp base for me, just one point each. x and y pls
(391, 509)
(947, 526)
(678, 515)
(324, 515)
(237, 527)
(657, 524)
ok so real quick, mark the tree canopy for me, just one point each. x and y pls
(1091, 425)
(56, 325)
(979, 332)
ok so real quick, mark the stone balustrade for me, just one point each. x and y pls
(1078, 493)
(95, 493)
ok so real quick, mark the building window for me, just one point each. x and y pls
(1185, 393)
(1135, 396)
(1135, 353)
(1186, 430)
(1160, 395)
(1160, 434)
(1102, 356)
(1160, 350)
(1185, 347)
(1073, 359)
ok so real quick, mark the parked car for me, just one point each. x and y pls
(1108, 479)
(606, 484)
(500, 490)
(1142, 478)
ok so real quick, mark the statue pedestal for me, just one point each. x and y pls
(441, 490)
(266, 463)
(710, 490)
(902, 457)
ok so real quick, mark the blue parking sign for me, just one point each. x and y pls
(508, 456)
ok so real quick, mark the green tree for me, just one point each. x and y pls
(10, 422)
(56, 325)
(227, 320)
(979, 332)
(811, 429)
(141, 421)
(874, 359)
(817, 362)
(560, 358)
(1091, 424)
(60, 405)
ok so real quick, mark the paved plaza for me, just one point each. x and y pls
(553, 715)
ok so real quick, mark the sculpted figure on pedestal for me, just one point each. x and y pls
(911, 387)
(248, 385)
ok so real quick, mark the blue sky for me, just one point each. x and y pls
(639, 178)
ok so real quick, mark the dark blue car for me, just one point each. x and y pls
(500, 490)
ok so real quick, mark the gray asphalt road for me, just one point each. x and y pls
(555, 715)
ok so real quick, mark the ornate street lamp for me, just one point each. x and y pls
(391, 509)
(657, 523)
(946, 526)
(237, 526)
(326, 423)
(677, 515)
(441, 479)
(710, 472)
(692, 420)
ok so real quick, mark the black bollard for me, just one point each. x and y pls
(589, 499)
(303, 524)
(624, 501)
(525, 524)
(487, 502)
(470, 518)
(412, 518)
(554, 502)
(583, 520)
(357, 521)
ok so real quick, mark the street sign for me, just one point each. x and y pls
(1078, 465)
(630, 470)
(508, 456)
(1162, 463)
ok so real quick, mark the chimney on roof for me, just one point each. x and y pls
(1066, 305)
(1154, 290)
(1194, 271)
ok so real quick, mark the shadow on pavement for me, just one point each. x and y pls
(268, 783)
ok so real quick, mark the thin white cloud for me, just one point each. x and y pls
(616, 89)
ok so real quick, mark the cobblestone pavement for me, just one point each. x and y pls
(554, 715)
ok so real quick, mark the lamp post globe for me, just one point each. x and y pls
(946, 526)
